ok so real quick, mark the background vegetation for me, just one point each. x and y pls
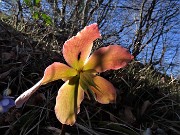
(32, 33)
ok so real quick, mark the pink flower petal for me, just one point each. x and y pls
(78, 48)
(58, 71)
(68, 102)
(106, 93)
(110, 57)
(27, 94)
(53, 72)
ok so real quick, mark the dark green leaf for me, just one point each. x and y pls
(37, 3)
(36, 15)
(46, 18)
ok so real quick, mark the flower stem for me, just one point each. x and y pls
(63, 130)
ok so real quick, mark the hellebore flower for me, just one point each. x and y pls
(80, 75)
(6, 103)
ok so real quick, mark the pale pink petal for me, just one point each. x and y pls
(68, 102)
(110, 57)
(105, 92)
(58, 71)
(53, 72)
(78, 48)
(26, 95)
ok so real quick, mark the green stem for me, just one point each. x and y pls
(76, 94)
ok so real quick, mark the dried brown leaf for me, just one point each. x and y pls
(145, 106)
(129, 117)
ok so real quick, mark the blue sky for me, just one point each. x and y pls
(173, 43)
